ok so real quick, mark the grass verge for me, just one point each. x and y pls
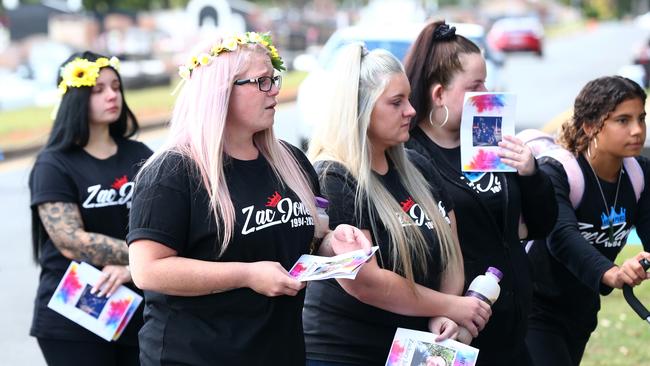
(621, 338)
(30, 126)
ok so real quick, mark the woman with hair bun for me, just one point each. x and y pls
(442, 66)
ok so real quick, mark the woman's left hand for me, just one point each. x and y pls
(631, 272)
(445, 327)
(517, 155)
(346, 238)
(113, 276)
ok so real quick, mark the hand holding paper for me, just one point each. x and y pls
(271, 279)
(113, 276)
(105, 316)
(445, 327)
(412, 347)
(347, 238)
(517, 155)
(346, 265)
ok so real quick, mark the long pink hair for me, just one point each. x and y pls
(197, 132)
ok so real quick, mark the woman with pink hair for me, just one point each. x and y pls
(220, 214)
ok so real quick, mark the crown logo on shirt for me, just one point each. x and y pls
(119, 182)
(273, 199)
(613, 218)
(406, 205)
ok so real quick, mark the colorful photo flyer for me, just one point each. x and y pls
(487, 117)
(416, 348)
(313, 267)
(105, 316)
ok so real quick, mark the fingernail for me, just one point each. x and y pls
(93, 290)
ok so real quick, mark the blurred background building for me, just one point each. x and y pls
(152, 36)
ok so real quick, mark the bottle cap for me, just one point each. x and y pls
(322, 202)
(496, 272)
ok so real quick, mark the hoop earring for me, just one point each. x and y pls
(446, 116)
(595, 140)
(443, 122)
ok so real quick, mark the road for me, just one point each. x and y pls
(545, 88)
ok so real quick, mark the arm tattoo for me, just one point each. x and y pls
(63, 223)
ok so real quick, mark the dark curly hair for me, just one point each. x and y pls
(434, 58)
(592, 107)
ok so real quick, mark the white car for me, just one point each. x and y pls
(395, 38)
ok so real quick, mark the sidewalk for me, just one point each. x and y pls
(149, 120)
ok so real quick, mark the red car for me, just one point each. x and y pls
(517, 34)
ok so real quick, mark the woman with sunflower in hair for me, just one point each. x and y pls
(81, 187)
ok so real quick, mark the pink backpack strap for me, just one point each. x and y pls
(573, 173)
(635, 173)
(538, 141)
(543, 144)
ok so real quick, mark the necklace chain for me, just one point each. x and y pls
(607, 211)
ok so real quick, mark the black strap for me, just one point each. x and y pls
(634, 303)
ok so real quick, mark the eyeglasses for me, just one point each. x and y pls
(264, 83)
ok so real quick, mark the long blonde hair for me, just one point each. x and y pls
(197, 132)
(360, 79)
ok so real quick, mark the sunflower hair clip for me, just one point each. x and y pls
(82, 72)
(230, 44)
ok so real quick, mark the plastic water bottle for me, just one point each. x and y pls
(486, 288)
(323, 219)
(322, 226)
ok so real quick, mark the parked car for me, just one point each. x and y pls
(395, 38)
(517, 34)
(641, 58)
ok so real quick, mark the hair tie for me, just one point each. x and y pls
(444, 32)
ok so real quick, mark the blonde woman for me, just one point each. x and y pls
(219, 216)
(372, 183)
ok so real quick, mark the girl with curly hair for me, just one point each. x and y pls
(575, 264)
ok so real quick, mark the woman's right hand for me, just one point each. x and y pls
(444, 327)
(271, 279)
(470, 312)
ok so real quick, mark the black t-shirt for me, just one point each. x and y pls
(338, 327)
(487, 219)
(570, 264)
(486, 184)
(237, 327)
(102, 189)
